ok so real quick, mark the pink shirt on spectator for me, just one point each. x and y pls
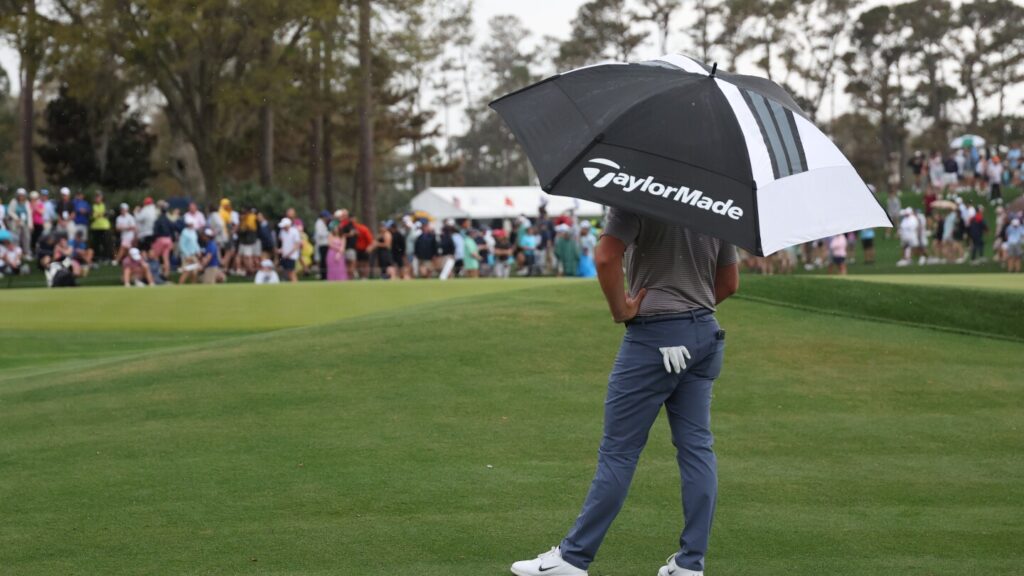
(838, 246)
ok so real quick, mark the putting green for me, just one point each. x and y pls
(1003, 282)
(454, 438)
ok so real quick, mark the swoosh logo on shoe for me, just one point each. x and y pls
(543, 569)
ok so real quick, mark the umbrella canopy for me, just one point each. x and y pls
(944, 205)
(727, 155)
(968, 140)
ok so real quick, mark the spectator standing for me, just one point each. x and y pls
(126, 227)
(411, 231)
(867, 241)
(82, 213)
(425, 251)
(249, 241)
(909, 236)
(566, 251)
(145, 220)
(837, 246)
(503, 254)
(363, 244)
(917, 170)
(382, 256)
(321, 239)
(163, 240)
(995, 181)
(49, 209)
(99, 230)
(936, 171)
(268, 244)
(470, 253)
(894, 208)
(194, 217)
(447, 248)
(398, 251)
(953, 168)
(38, 217)
(1013, 158)
(211, 263)
(334, 260)
(976, 230)
(65, 209)
(588, 244)
(1014, 245)
(291, 248)
(19, 222)
(266, 273)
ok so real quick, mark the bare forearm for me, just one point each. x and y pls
(609, 275)
(727, 283)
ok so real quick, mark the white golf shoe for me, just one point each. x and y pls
(549, 563)
(672, 569)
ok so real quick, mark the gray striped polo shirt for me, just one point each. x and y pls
(676, 265)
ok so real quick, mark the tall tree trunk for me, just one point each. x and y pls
(28, 126)
(266, 153)
(366, 180)
(327, 148)
(29, 66)
(209, 166)
(664, 24)
(705, 44)
(316, 136)
(327, 151)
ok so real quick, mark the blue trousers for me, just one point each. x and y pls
(637, 389)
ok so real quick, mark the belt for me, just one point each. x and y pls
(689, 315)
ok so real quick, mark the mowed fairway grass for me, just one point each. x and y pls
(455, 434)
(1003, 282)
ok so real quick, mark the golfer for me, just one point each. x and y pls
(671, 355)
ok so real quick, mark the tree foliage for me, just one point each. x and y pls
(69, 149)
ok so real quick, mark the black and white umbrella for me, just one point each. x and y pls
(728, 155)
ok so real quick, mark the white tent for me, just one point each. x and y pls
(487, 202)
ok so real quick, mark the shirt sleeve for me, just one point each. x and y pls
(622, 225)
(727, 255)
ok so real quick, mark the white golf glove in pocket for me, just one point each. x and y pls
(675, 358)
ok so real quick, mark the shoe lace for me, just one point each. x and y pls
(553, 553)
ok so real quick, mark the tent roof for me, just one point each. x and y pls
(486, 202)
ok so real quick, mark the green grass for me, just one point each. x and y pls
(451, 437)
(1001, 282)
(937, 305)
(230, 308)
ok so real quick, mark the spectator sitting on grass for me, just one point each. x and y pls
(188, 250)
(267, 274)
(10, 254)
(135, 271)
(65, 254)
(81, 252)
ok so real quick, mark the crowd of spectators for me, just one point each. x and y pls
(71, 235)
